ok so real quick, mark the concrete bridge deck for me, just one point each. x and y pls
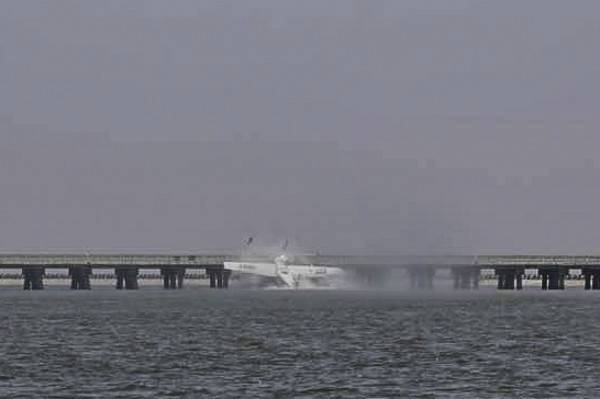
(419, 269)
(19, 260)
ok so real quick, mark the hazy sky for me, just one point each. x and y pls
(399, 126)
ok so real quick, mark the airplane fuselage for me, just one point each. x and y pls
(286, 273)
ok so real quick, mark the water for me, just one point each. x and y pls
(207, 343)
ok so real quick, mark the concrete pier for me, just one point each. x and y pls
(465, 278)
(421, 277)
(226, 276)
(33, 278)
(219, 278)
(592, 278)
(507, 276)
(553, 277)
(370, 276)
(371, 270)
(596, 281)
(80, 277)
(127, 275)
(173, 277)
(213, 279)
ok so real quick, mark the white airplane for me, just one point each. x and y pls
(286, 274)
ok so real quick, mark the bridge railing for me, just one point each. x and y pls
(538, 260)
(191, 260)
(108, 260)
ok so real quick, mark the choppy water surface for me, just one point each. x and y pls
(200, 342)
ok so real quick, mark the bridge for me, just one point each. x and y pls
(420, 270)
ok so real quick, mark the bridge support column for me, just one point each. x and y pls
(219, 278)
(120, 275)
(596, 281)
(131, 282)
(180, 277)
(553, 280)
(588, 281)
(507, 276)
(592, 278)
(33, 278)
(476, 276)
(226, 275)
(371, 276)
(465, 278)
(509, 280)
(421, 277)
(553, 277)
(412, 276)
(544, 281)
(129, 276)
(500, 280)
(172, 277)
(80, 277)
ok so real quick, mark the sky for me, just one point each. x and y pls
(414, 126)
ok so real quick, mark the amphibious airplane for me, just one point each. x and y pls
(286, 274)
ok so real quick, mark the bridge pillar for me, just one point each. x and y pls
(428, 275)
(219, 277)
(588, 281)
(131, 282)
(465, 278)
(596, 281)
(371, 276)
(509, 280)
(476, 275)
(412, 276)
(120, 274)
(120, 277)
(128, 275)
(80, 277)
(180, 277)
(507, 276)
(544, 281)
(172, 277)
(553, 280)
(592, 278)
(421, 277)
(226, 275)
(33, 278)
(553, 277)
